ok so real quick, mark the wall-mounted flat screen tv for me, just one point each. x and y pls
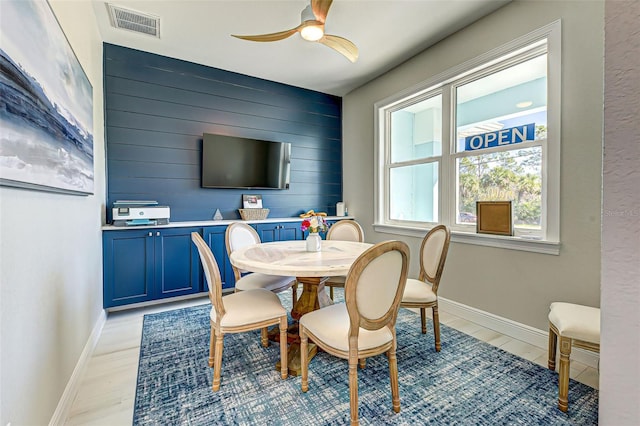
(235, 162)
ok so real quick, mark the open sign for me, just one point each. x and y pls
(502, 137)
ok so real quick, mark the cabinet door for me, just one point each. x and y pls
(128, 267)
(214, 236)
(177, 264)
(290, 231)
(284, 231)
(268, 232)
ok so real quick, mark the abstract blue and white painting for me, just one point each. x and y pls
(46, 104)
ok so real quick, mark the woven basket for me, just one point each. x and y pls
(253, 214)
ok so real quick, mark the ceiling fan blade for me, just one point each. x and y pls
(270, 37)
(342, 45)
(321, 9)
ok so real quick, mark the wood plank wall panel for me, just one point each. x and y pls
(157, 109)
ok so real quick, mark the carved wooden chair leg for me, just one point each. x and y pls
(304, 362)
(212, 349)
(393, 376)
(264, 337)
(331, 292)
(423, 320)
(436, 327)
(284, 368)
(217, 362)
(363, 363)
(353, 388)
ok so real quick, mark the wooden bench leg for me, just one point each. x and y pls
(563, 373)
(553, 347)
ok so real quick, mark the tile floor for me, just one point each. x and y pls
(108, 387)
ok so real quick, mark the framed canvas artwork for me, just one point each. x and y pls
(46, 104)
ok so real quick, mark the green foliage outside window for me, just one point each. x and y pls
(501, 176)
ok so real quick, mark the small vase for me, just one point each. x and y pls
(313, 241)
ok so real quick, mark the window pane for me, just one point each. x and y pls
(514, 175)
(413, 193)
(416, 131)
(508, 99)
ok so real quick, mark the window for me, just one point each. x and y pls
(487, 130)
(414, 161)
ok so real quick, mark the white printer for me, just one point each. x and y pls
(138, 213)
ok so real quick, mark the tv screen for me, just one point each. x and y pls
(234, 162)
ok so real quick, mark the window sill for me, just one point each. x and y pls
(509, 243)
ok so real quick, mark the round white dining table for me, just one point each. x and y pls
(311, 269)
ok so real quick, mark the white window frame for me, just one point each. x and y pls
(424, 160)
(546, 38)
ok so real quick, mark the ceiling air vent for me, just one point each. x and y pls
(134, 21)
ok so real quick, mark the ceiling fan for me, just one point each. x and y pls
(312, 29)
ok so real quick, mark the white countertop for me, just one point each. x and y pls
(206, 223)
(292, 258)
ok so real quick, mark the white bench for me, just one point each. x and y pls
(578, 326)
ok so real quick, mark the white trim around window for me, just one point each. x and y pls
(547, 39)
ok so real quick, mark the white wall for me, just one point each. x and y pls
(620, 342)
(512, 284)
(51, 263)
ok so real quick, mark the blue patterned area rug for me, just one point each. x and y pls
(468, 383)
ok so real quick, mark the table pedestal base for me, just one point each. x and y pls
(313, 297)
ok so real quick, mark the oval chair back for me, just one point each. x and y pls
(237, 236)
(343, 230)
(374, 286)
(211, 273)
(433, 254)
(346, 230)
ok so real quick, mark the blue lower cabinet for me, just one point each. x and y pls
(141, 265)
(149, 264)
(283, 231)
(177, 263)
(215, 238)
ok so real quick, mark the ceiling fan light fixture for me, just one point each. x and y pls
(312, 32)
(311, 28)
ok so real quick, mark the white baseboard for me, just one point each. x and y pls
(64, 405)
(163, 301)
(513, 329)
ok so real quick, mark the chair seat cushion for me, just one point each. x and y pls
(264, 281)
(576, 321)
(331, 325)
(251, 306)
(417, 291)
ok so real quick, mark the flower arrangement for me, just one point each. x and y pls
(314, 224)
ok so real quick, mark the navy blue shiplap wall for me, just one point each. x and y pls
(157, 108)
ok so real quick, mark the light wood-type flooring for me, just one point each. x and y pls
(108, 385)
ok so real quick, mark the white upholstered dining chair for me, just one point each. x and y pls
(238, 312)
(364, 325)
(422, 293)
(343, 230)
(239, 235)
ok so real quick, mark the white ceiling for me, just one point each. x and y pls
(387, 33)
